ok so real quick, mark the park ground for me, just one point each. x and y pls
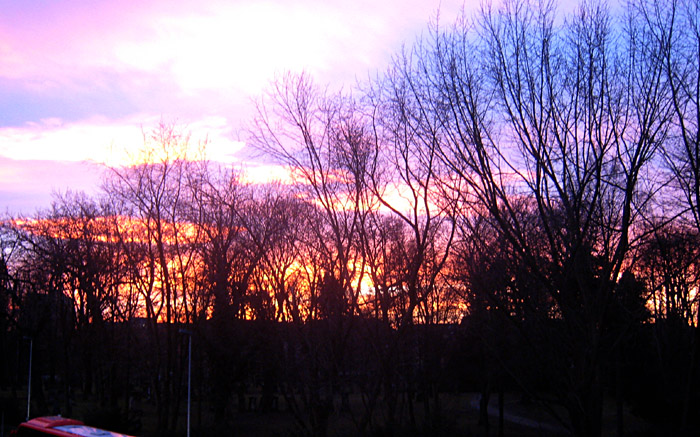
(460, 416)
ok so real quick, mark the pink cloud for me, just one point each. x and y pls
(95, 65)
(28, 185)
(51, 43)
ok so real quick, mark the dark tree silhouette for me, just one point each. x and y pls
(551, 128)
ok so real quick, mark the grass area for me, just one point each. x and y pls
(459, 416)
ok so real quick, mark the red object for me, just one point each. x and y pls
(61, 426)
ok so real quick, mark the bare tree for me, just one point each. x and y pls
(404, 178)
(321, 138)
(160, 246)
(674, 27)
(275, 224)
(568, 118)
(315, 135)
(669, 264)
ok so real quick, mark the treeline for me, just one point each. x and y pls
(513, 206)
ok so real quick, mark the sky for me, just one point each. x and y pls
(82, 80)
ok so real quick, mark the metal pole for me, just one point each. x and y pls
(189, 375)
(29, 382)
(189, 382)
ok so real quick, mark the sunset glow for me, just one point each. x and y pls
(324, 218)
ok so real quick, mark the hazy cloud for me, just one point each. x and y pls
(78, 77)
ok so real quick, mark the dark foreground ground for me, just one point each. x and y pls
(460, 417)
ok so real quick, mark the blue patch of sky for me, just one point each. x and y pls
(19, 105)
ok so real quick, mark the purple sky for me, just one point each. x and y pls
(80, 80)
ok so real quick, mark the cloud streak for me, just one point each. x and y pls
(79, 77)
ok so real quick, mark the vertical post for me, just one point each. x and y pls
(29, 382)
(189, 382)
(189, 376)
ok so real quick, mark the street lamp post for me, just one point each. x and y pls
(188, 333)
(29, 381)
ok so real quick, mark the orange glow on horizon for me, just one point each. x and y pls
(179, 276)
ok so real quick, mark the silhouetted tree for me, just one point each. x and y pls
(668, 263)
(318, 136)
(160, 245)
(560, 120)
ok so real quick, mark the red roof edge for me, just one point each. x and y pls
(51, 422)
